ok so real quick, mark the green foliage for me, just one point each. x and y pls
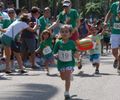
(92, 8)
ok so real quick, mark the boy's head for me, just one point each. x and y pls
(94, 29)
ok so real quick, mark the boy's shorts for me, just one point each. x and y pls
(95, 58)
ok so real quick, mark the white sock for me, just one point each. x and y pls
(66, 93)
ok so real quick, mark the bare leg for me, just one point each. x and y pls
(32, 59)
(19, 59)
(7, 55)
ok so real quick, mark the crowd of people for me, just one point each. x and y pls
(26, 35)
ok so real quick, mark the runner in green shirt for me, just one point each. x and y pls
(115, 36)
(64, 52)
(46, 49)
(69, 16)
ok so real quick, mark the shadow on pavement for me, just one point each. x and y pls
(82, 74)
(74, 97)
(106, 74)
(30, 92)
(5, 78)
(53, 75)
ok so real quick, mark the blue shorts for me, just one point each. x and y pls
(95, 58)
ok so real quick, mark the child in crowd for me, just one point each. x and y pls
(46, 48)
(96, 51)
(64, 52)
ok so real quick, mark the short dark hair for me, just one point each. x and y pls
(35, 9)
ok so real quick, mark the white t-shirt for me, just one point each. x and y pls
(5, 15)
(15, 28)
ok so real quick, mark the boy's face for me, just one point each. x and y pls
(93, 30)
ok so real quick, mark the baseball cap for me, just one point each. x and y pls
(66, 3)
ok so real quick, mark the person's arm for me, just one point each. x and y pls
(2, 30)
(33, 29)
(75, 29)
(53, 25)
(107, 17)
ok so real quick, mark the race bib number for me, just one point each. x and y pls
(116, 26)
(65, 56)
(47, 50)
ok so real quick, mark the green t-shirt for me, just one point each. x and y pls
(115, 10)
(4, 23)
(44, 22)
(7, 22)
(65, 53)
(97, 44)
(69, 18)
(46, 47)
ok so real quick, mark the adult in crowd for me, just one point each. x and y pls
(69, 16)
(44, 20)
(114, 12)
(11, 32)
(29, 38)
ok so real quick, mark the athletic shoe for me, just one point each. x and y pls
(115, 64)
(23, 71)
(97, 71)
(67, 96)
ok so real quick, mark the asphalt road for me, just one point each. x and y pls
(36, 85)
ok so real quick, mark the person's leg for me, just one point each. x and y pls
(7, 55)
(19, 59)
(67, 80)
(31, 51)
(67, 83)
(24, 52)
(46, 67)
(95, 58)
(97, 68)
(32, 59)
(115, 43)
(119, 61)
(115, 54)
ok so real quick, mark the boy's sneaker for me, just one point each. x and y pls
(67, 96)
(23, 71)
(118, 70)
(97, 71)
(115, 63)
(8, 72)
